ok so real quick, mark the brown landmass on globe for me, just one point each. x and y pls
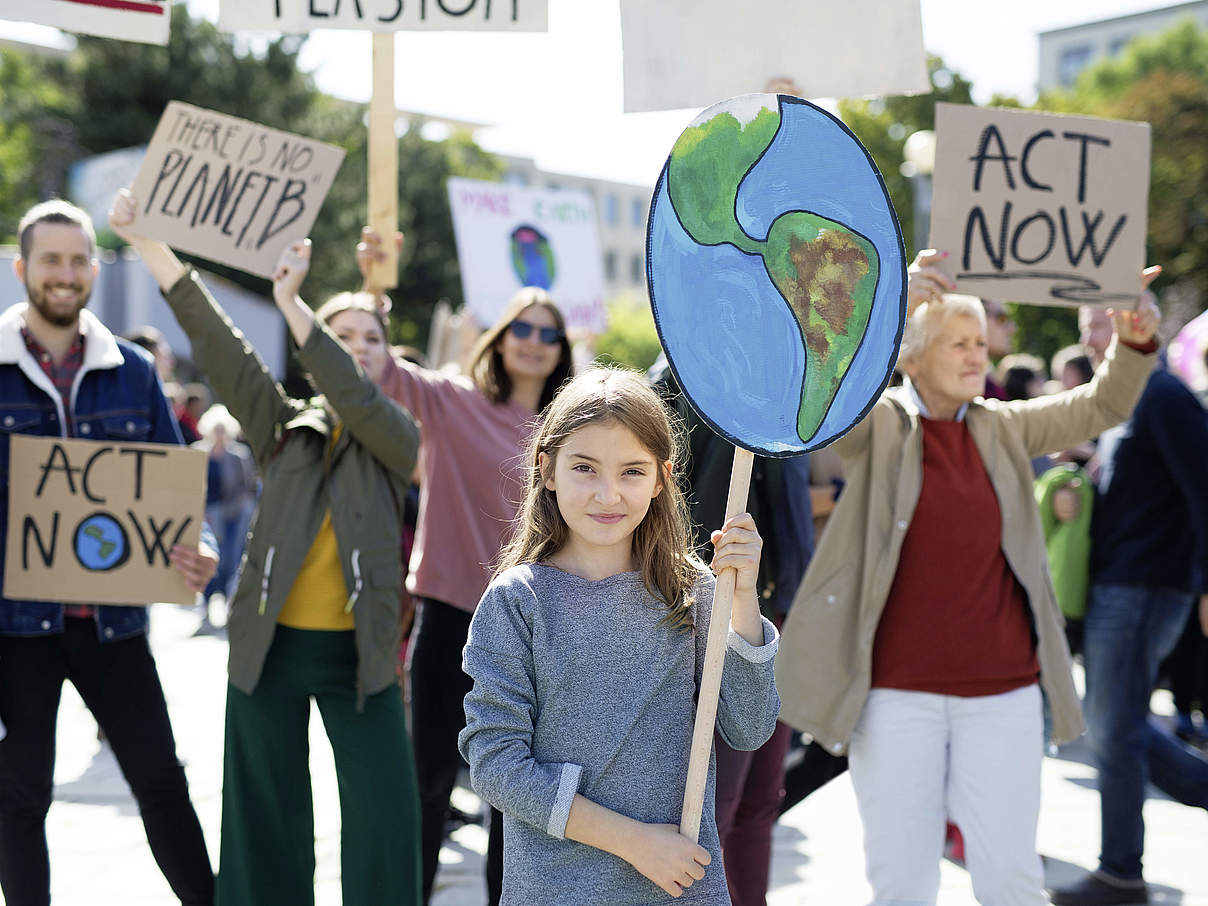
(835, 263)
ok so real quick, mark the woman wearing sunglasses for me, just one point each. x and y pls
(474, 429)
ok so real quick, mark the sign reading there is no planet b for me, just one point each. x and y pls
(510, 236)
(1040, 208)
(228, 189)
(95, 521)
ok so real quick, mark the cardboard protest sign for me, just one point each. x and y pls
(513, 236)
(145, 21)
(776, 273)
(1041, 208)
(689, 53)
(384, 15)
(229, 189)
(94, 522)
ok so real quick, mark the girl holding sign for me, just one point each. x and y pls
(586, 651)
(316, 610)
(475, 428)
(927, 626)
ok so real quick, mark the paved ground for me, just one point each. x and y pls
(99, 855)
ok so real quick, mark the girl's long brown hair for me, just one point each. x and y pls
(662, 542)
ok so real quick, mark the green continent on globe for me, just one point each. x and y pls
(826, 273)
(708, 163)
(97, 535)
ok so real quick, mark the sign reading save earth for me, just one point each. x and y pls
(776, 272)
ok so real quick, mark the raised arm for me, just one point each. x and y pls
(236, 372)
(1064, 419)
(379, 424)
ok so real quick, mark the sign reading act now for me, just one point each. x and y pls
(1040, 208)
(95, 522)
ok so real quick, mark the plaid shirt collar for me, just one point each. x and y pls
(62, 376)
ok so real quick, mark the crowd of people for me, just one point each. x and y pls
(931, 573)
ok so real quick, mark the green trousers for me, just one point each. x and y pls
(268, 837)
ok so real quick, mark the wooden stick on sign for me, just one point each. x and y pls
(715, 658)
(383, 161)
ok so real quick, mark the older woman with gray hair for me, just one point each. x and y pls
(926, 627)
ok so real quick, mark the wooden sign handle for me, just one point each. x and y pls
(383, 161)
(715, 658)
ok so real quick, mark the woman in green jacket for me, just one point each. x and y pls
(315, 613)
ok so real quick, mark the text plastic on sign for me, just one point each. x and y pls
(384, 15)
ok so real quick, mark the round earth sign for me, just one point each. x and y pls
(100, 543)
(776, 273)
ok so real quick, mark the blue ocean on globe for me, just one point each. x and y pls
(729, 333)
(101, 543)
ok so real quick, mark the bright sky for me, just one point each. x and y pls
(556, 97)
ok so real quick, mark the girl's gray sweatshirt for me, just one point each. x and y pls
(578, 688)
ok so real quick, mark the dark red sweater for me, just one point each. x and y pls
(956, 621)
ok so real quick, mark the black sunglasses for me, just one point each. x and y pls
(522, 330)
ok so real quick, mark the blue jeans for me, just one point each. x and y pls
(1129, 631)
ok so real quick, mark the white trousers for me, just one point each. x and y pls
(918, 759)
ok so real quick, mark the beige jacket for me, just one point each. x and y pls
(824, 666)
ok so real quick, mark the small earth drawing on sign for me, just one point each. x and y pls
(101, 543)
(532, 257)
(776, 273)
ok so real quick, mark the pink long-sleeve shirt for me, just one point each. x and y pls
(472, 461)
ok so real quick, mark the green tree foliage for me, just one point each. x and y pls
(884, 124)
(110, 94)
(631, 338)
(1162, 80)
(32, 126)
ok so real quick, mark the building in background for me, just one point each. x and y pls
(1065, 52)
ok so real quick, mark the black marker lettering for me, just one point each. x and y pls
(1023, 161)
(172, 160)
(978, 215)
(268, 182)
(88, 470)
(991, 132)
(203, 177)
(163, 209)
(154, 545)
(398, 11)
(57, 453)
(293, 192)
(455, 12)
(28, 527)
(1038, 217)
(1088, 237)
(247, 181)
(222, 190)
(138, 466)
(1085, 140)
